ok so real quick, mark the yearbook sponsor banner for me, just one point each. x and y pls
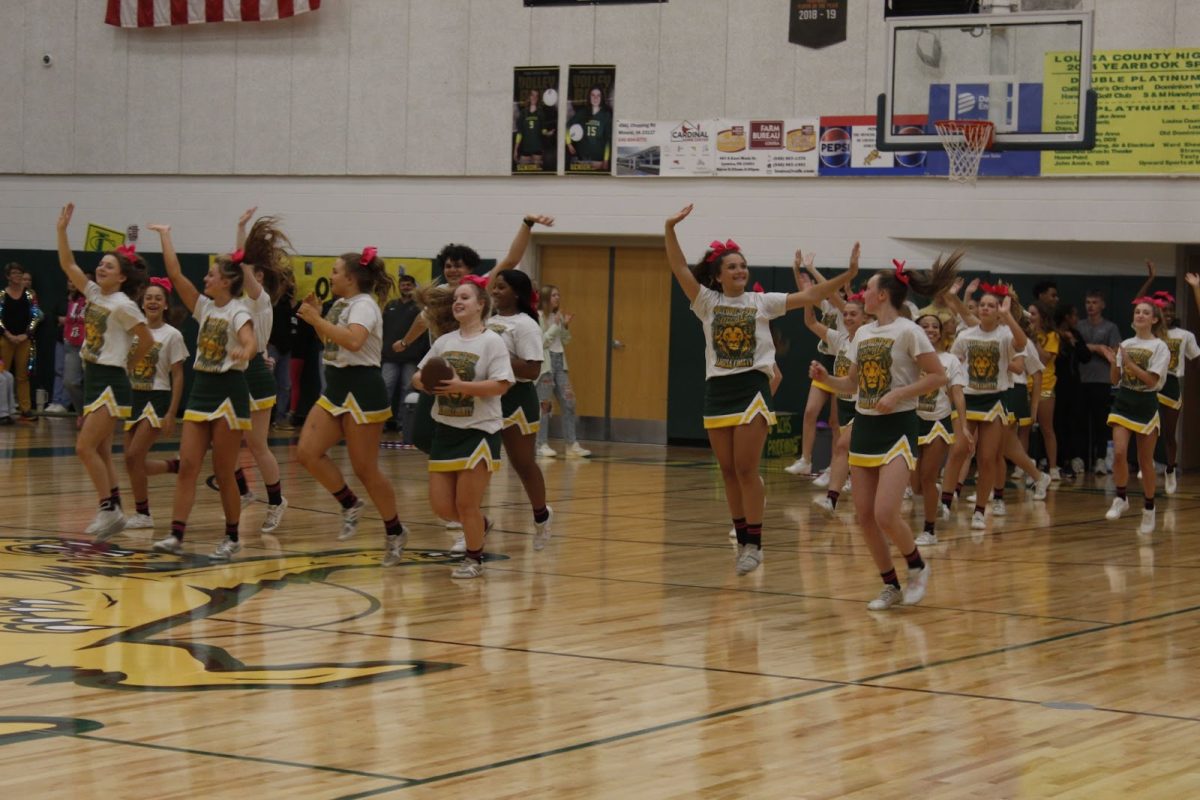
(1147, 116)
(817, 23)
(535, 120)
(767, 147)
(589, 133)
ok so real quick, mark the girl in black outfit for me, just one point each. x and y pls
(1069, 424)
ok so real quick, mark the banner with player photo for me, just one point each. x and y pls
(589, 133)
(535, 120)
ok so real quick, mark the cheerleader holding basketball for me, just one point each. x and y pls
(218, 406)
(157, 383)
(112, 319)
(355, 403)
(1139, 370)
(467, 370)
(941, 424)
(1182, 344)
(739, 365)
(892, 365)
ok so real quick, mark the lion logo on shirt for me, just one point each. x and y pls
(1175, 346)
(733, 337)
(141, 374)
(459, 405)
(95, 326)
(335, 316)
(1139, 356)
(874, 371)
(983, 365)
(210, 344)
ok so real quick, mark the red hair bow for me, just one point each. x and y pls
(237, 256)
(997, 289)
(719, 249)
(127, 251)
(857, 297)
(368, 255)
(164, 284)
(478, 280)
(1157, 302)
(758, 287)
(900, 275)
(1165, 296)
(535, 299)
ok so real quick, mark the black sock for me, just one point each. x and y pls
(947, 498)
(540, 515)
(476, 555)
(958, 489)
(833, 497)
(890, 578)
(997, 494)
(980, 509)
(142, 506)
(231, 531)
(346, 497)
(392, 526)
(914, 559)
(929, 527)
(240, 477)
(1148, 504)
(274, 494)
(116, 497)
(1170, 469)
(178, 528)
(1121, 492)
(173, 466)
(739, 527)
(754, 535)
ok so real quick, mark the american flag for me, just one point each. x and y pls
(154, 13)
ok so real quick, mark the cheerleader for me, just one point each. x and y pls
(218, 406)
(516, 321)
(1139, 370)
(888, 357)
(467, 416)
(1182, 344)
(739, 365)
(838, 342)
(157, 383)
(355, 403)
(941, 425)
(112, 319)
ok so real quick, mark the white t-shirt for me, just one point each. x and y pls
(838, 343)
(108, 320)
(521, 335)
(831, 318)
(482, 357)
(219, 326)
(361, 309)
(1152, 355)
(263, 314)
(1182, 344)
(985, 355)
(937, 404)
(1033, 365)
(154, 372)
(886, 356)
(737, 332)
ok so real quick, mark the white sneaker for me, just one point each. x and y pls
(248, 498)
(1172, 484)
(978, 521)
(971, 497)
(821, 481)
(1077, 465)
(1147, 526)
(139, 521)
(749, 559)
(541, 533)
(733, 534)
(918, 582)
(55, 408)
(546, 451)
(1139, 474)
(393, 547)
(274, 515)
(1017, 474)
(926, 538)
(801, 466)
(890, 596)
(1041, 487)
(1119, 506)
(106, 525)
(460, 545)
(1099, 468)
(350, 520)
(226, 550)
(468, 569)
(576, 451)
(453, 525)
(846, 487)
(1055, 475)
(825, 504)
(943, 510)
(999, 509)
(168, 544)
(908, 493)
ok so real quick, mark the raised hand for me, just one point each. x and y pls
(817, 371)
(854, 253)
(956, 287)
(1193, 280)
(1150, 268)
(247, 215)
(672, 221)
(566, 319)
(64, 216)
(1006, 306)
(972, 287)
(159, 228)
(540, 219)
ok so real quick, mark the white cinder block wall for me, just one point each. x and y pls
(388, 122)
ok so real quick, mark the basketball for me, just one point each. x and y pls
(435, 371)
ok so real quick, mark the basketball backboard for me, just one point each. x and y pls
(1030, 74)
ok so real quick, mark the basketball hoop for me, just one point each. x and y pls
(965, 140)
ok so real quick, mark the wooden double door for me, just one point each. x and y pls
(617, 358)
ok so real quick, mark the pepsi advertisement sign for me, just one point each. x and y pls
(847, 148)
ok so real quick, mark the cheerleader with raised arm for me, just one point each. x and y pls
(739, 366)
(355, 403)
(112, 320)
(1182, 343)
(1139, 370)
(892, 365)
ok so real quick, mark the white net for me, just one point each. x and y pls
(965, 141)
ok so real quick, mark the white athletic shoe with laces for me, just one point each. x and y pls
(749, 559)
(467, 569)
(890, 596)
(926, 538)
(350, 520)
(542, 534)
(918, 582)
(139, 522)
(825, 504)
(1171, 485)
(226, 550)
(1119, 506)
(1148, 522)
(274, 515)
(822, 480)
(978, 521)
(998, 508)
(546, 451)
(393, 547)
(1041, 487)
(801, 466)
(576, 450)
(168, 544)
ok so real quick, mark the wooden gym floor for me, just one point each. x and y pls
(1051, 658)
